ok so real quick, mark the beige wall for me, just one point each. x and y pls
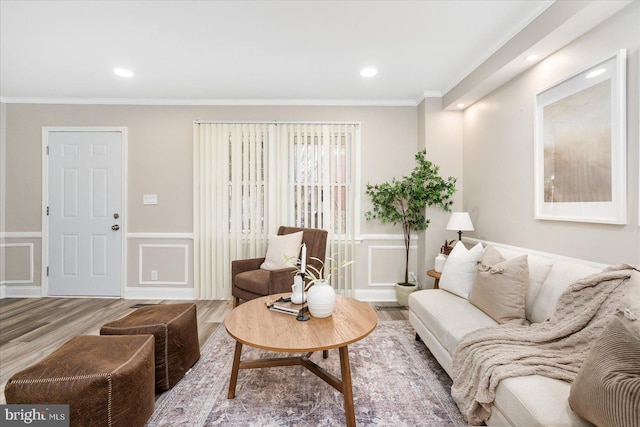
(498, 154)
(440, 132)
(160, 153)
(159, 159)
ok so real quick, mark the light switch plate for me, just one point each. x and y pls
(150, 199)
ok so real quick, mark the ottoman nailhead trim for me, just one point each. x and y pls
(109, 400)
(77, 377)
(59, 379)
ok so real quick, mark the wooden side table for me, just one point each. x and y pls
(435, 275)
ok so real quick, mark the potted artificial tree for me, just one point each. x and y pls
(405, 201)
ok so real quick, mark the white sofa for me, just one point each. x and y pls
(441, 319)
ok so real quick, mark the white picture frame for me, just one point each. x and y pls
(581, 146)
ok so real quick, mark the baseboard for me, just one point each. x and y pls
(373, 295)
(160, 293)
(18, 291)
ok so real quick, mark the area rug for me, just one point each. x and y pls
(396, 382)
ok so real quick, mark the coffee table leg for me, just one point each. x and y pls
(234, 371)
(347, 392)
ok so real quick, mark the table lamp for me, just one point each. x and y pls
(460, 221)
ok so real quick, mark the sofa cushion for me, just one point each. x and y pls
(282, 251)
(536, 401)
(562, 275)
(500, 287)
(460, 269)
(607, 388)
(539, 268)
(448, 317)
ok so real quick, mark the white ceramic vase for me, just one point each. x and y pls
(439, 262)
(321, 299)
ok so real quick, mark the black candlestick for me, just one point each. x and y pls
(301, 316)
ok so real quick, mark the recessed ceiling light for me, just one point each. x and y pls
(596, 73)
(461, 105)
(123, 72)
(532, 57)
(368, 72)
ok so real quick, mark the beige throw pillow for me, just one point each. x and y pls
(282, 251)
(500, 287)
(606, 391)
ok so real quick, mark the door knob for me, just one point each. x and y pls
(115, 227)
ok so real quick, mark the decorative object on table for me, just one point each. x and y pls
(303, 263)
(286, 306)
(460, 221)
(298, 295)
(447, 247)
(405, 201)
(321, 299)
(581, 146)
(441, 258)
(321, 296)
(439, 262)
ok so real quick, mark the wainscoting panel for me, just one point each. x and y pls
(159, 266)
(386, 264)
(19, 263)
(380, 265)
(20, 268)
(163, 264)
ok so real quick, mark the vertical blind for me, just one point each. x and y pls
(250, 178)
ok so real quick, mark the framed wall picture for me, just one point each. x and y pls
(580, 146)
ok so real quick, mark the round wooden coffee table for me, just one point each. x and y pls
(253, 324)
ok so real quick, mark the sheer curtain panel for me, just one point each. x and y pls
(321, 183)
(230, 193)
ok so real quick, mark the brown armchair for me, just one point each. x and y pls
(248, 281)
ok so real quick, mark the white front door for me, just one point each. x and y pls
(85, 213)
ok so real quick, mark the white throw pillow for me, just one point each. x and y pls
(460, 269)
(283, 251)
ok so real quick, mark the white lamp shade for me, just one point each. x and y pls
(460, 221)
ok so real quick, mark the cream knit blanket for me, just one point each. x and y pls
(555, 348)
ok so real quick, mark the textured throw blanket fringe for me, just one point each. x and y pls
(555, 348)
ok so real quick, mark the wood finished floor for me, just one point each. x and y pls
(32, 328)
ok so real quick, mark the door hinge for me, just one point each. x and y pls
(47, 150)
(47, 270)
(47, 210)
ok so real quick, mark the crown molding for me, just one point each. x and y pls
(215, 102)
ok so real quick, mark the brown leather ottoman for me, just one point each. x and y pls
(106, 381)
(175, 327)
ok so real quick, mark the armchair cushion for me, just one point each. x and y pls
(282, 251)
(255, 281)
(265, 282)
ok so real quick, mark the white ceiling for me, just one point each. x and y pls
(249, 50)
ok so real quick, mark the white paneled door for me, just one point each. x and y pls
(85, 213)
